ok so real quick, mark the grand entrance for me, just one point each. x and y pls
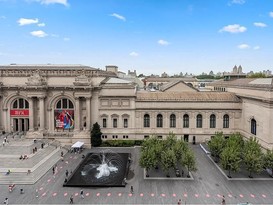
(20, 124)
(19, 114)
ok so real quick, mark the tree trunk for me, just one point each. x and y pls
(229, 175)
(188, 175)
(250, 174)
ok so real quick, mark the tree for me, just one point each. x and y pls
(268, 160)
(253, 156)
(189, 161)
(96, 135)
(148, 160)
(168, 160)
(216, 145)
(231, 158)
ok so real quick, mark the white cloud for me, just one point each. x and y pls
(237, 1)
(63, 2)
(271, 14)
(39, 34)
(235, 28)
(259, 24)
(134, 54)
(66, 39)
(120, 17)
(243, 46)
(41, 24)
(256, 48)
(163, 42)
(24, 21)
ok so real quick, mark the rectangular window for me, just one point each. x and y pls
(146, 136)
(115, 122)
(104, 122)
(125, 123)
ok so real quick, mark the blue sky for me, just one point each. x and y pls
(150, 36)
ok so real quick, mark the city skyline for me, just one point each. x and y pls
(150, 37)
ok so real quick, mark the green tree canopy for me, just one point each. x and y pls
(96, 135)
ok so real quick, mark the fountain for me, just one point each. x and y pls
(102, 169)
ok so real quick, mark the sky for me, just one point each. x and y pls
(149, 36)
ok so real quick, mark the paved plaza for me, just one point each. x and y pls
(208, 186)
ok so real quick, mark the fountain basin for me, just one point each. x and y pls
(103, 169)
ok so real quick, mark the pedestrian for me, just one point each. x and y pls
(179, 202)
(6, 201)
(37, 193)
(53, 170)
(71, 199)
(223, 200)
(82, 196)
(62, 153)
(66, 173)
(132, 189)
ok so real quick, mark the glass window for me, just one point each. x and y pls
(21, 103)
(159, 120)
(146, 120)
(212, 121)
(172, 120)
(59, 104)
(115, 122)
(125, 123)
(253, 126)
(26, 104)
(104, 122)
(226, 121)
(65, 103)
(186, 121)
(15, 104)
(199, 121)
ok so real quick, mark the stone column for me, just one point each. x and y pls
(88, 113)
(31, 114)
(77, 114)
(42, 113)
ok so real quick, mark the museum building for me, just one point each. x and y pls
(62, 102)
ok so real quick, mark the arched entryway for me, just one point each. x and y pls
(19, 115)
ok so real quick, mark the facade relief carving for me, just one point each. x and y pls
(36, 79)
(82, 79)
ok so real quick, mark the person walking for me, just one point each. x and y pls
(37, 193)
(53, 170)
(82, 196)
(132, 189)
(179, 202)
(71, 199)
(223, 200)
(6, 201)
(66, 173)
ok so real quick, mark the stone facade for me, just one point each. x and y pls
(63, 102)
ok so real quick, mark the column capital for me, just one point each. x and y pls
(41, 97)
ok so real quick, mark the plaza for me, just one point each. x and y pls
(207, 187)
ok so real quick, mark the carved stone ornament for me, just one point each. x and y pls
(82, 80)
(36, 79)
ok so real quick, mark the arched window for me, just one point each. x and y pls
(146, 120)
(20, 103)
(186, 121)
(253, 126)
(172, 120)
(199, 121)
(212, 121)
(64, 114)
(226, 121)
(159, 120)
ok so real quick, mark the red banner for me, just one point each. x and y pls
(19, 112)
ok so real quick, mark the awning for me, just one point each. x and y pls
(77, 145)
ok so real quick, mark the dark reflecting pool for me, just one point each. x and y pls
(103, 169)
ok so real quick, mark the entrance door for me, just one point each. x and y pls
(23, 125)
(186, 138)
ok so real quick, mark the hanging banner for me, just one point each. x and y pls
(22, 113)
(64, 119)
